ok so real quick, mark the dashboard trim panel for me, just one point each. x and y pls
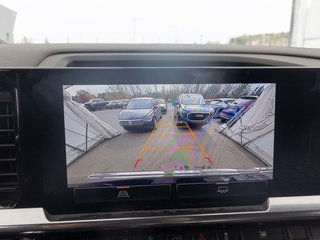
(279, 208)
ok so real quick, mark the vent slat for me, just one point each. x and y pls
(8, 174)
(3, 187)
(8, 159)
(6, 130)
(8, 145)
(8, 148)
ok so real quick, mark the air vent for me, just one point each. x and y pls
(8, 148)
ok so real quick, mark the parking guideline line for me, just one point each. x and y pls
(182, 147)
(144, 147)
(207, 137)
(201, 147)
(171, 134)
(174, 147)
(172, 127)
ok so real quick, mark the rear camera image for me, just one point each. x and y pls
(137, 131)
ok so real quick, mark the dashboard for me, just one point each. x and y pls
(72, 168)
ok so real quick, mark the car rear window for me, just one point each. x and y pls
(192, 100)
(140, 104)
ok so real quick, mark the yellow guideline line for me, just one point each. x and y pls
(176, 147)
(207, 136)
(145, 146)
(172, 127)
(200, 146)
(171, 134)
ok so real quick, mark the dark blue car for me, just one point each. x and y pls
(239, 105)
(192, 109)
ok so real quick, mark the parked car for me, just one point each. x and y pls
(112, 104)
(95, 104)
(192, 109)
(220, 104)
(140, 113)
(240, 104)
(122, 103)
(208, 101)
(162, 103)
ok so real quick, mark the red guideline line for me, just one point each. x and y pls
(207, 157)
(137, 162)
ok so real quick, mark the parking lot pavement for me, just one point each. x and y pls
(167, 148)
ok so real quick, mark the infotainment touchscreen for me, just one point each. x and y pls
(137, 138)
(168, 131)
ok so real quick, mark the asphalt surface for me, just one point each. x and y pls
(167, 148)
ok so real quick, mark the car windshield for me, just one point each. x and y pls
(216, 101)
(192, 100)
(240, 22)
(140, 104)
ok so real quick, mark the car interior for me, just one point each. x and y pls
(160, 141)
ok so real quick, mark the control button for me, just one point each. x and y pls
(218, 190)
(202, 235)
(262, 233)
(297, 232)
(176, 236)
(227, 234)
(125, 193)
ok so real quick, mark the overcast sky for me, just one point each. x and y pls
(147, 21)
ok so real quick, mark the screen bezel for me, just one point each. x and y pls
(59, 198)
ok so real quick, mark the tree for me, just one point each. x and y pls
(268, 39)
(241, 90)
(82, 96)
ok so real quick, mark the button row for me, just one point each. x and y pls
(183, 191)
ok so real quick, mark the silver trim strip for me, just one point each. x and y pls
(281, 208)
